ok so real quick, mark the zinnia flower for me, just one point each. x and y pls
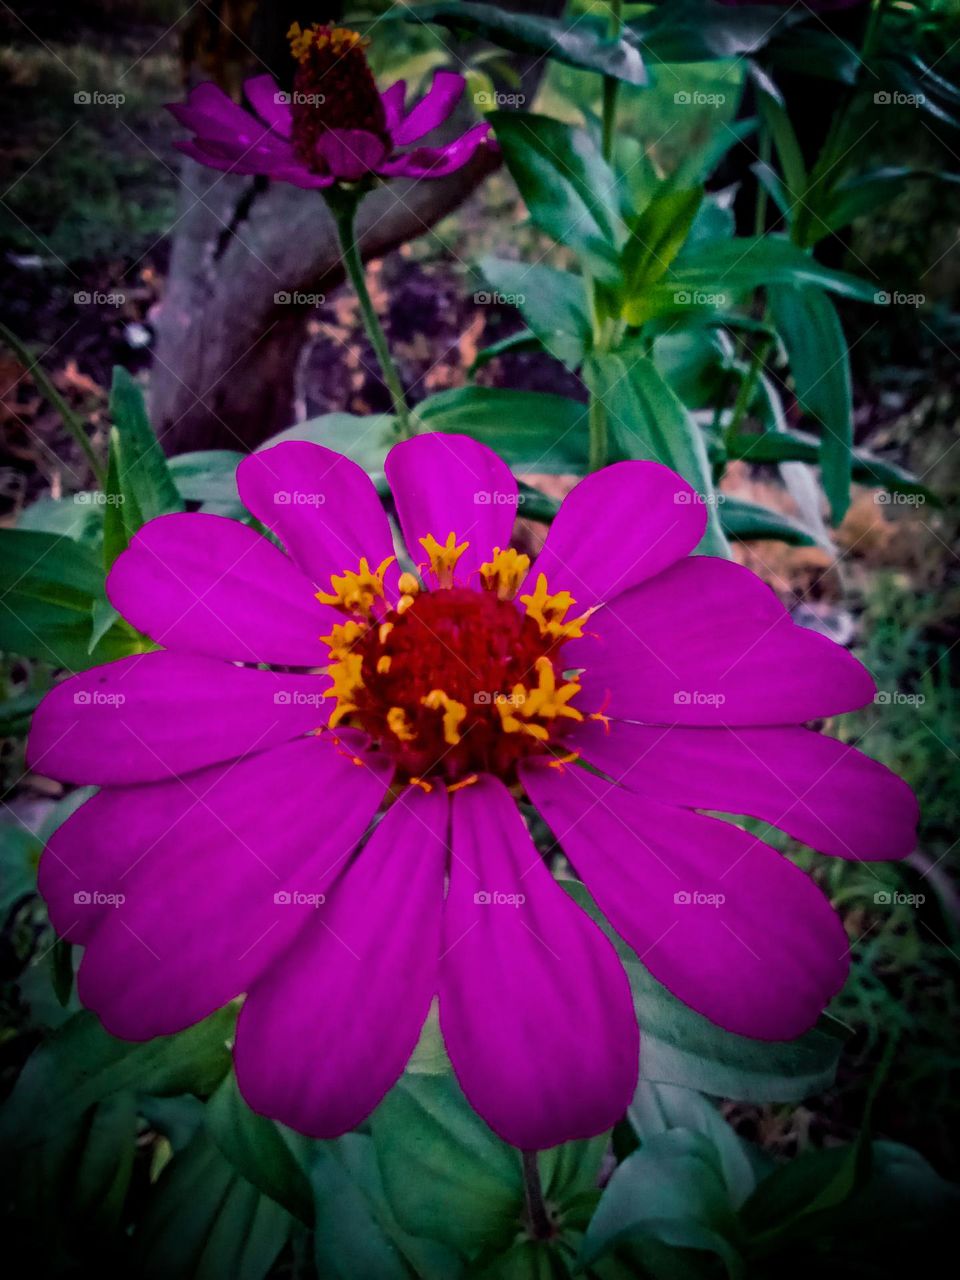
(336, 126)
(617, 684)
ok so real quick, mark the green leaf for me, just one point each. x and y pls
(256, 1148)
(820, 364)
(17, 712)
(788, 148)
(552, 303)
(672, 1190)
(139, 483)
(749, 262)
(357, 1236)
(646, 420)
(656, 237)
(19, 854)
(659, 1108)
(800, 446)
(583, 43)
(81, 1065)
(365, 438)
(864, 193)
(446, 1175)
(203, 1221)
(698, 32)
(749, 521)
(683, 1048)
(524, 340)
(531, 430)
(569, 189)
(207, 475)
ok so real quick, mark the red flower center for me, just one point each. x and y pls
(457, 680)
(333, 88)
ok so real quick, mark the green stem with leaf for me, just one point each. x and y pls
(343, 205)
(541, 1227)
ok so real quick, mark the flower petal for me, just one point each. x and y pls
(356, 986)
(432, 109)
(272, 106)
(155, 715)
(446, 484)
(706, 642)
(322, 505)
(393, 100)
(436, 162)
(211, 114)
(726, 923)
(815, 788)
(350, 153)
(218, 868)
(209, 585)
(535, 1007)
(617, 528)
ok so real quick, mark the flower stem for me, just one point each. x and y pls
(540, 1226)
(344, 207)
(611, 85)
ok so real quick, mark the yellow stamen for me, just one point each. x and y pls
(347, 679)
(409, 584)
(464, 782)
(504, 572)
(342, 637)
(443, 558)
(384, 631)
(511, 709)
(383, 664)
(546, 699)
(419, 782)
(604, 720)
(355, 591)
(340, 39)
(548, 612)
(561, 762)
(453, 713)
(397, 722)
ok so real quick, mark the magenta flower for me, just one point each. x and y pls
(336, 126)
(230, 851)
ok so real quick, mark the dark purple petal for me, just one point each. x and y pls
(270, 104)
(350, 153)
(446, 484)
(707, 643)
(617, 528)
(155, 715)
(326, 1031)
(436, 162)
(815, 788)
(432, 109)
(726, 923)
(535, 1007)
(221, 876)
(322, 505)
(204, 584)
